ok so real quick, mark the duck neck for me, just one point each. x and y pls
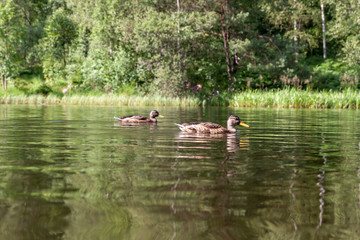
(153, 119)
(230, 127)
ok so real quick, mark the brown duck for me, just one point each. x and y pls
(140, 119)
(212, 128)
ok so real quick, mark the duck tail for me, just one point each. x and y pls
(117, 118)
(181, 127)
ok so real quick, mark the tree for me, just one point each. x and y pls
(31, 16)
(157, 46)
(344, 30)
(295, 19)
(105, 53)
(323, 27)
(60, 32)
(232, 18)
(8, 37)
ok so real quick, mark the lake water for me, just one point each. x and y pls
(72, 172)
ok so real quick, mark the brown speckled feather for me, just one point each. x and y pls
(212, 128)
(135, 119)
(139, 118)
(204, 127)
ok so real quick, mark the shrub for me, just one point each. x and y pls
(43, 89)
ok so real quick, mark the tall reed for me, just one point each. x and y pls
(286, 98)
(119, 100)
(296, 98)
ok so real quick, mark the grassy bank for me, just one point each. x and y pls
(295, 98)
(115, 100)
(287, 98)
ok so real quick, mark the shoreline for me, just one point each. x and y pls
(286, 98)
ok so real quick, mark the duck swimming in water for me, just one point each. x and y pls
(139, 118)
(212, 128)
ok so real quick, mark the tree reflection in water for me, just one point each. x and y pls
(320, 184)
(221, 191)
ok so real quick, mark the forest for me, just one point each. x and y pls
(169, 47)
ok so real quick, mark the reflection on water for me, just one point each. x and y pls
(233, 141)
(148, 125)
(130, 124)
(75, 173)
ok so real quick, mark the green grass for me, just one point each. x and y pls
(295, 98)
(115, 100)
(286, 98)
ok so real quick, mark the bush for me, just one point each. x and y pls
(325, 81)
(327, 74)
(21, 84)
(43, 89)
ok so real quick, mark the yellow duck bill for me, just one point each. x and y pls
(243, 124)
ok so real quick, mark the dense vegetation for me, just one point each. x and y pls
(284, 98)
(57, 47)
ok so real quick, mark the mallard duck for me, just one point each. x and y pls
(140, 119)
(212, 128)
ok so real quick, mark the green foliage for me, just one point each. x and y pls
(43, 89)
(159, 47)
(21, 84)
(157, 42)
(9, 35)
(108, 73)
(344, 32)
(286, 98)
(32, 84)
(295, 98)
(332, 74)
(284, 15)
(60, 32)
(351, 52)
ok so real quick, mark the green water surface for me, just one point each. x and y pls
(72, 172)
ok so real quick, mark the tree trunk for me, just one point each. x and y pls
(26, 20)
(3, 81)
(227, 57)
(225, 35)
(323, 28)
(295, 37)
(3, 76)
(181, 70)
(178, 25)
(64, 58)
